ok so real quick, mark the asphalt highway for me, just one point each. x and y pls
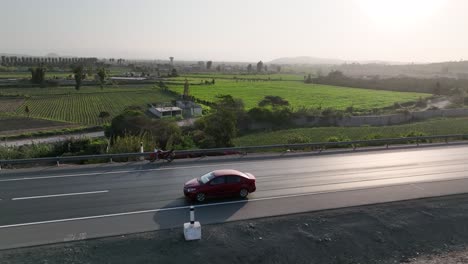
(39, 206)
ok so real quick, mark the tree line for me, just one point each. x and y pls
(13, 61)
(437, 86)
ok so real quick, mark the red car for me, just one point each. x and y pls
(220, 183)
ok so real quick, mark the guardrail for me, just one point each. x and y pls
(320, 146)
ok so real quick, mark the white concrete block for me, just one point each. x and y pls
(192, 232)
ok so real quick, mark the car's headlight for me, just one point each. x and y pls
(191, 189)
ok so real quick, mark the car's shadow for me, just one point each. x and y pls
(176, 213)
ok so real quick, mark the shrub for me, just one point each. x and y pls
(297, 139)
(372, 137)
(349, 109)
(339, 138)
(415, 134)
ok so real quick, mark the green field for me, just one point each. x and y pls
(299, 94)
(283, 77)
(321, 134)
(67, 104)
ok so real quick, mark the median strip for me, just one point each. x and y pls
(57, 195)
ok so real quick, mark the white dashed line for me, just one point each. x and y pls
(115, 172)
(57, 195)
(217, 204)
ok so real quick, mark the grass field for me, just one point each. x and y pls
(299, 94)
(284, 77)
(321, 134)
(84, 106)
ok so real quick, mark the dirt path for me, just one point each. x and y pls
(404, 232)
(51, 139)
(440, 103)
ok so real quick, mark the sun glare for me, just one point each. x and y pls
(399, 13)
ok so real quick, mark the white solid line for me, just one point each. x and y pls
(116, 172)
(57, 195)
(217, 204)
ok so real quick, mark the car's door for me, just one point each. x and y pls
(216, 186)
(233, 184)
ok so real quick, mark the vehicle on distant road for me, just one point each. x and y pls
(220, 183)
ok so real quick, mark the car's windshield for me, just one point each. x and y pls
(207, 177)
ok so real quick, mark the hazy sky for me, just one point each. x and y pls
(238, 30)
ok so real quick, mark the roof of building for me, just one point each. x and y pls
(168, 108)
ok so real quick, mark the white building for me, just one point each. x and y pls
(163, 112)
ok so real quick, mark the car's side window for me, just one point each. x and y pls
(217, 180)
(233, 179)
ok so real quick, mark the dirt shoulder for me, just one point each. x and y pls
(20, 125)
(403, 232)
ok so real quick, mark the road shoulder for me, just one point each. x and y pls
(399, 232)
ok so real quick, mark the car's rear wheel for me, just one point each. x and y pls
(243, 193)
(200, 197)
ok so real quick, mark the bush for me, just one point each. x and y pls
(415, 134)
(421, 103)
(349, 109)
(298, 139)
(52, 83)
(131, 144)
(339, 138)
(372, 137)
(76, 147)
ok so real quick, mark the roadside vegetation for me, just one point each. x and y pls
(256, 107)
(331, 134)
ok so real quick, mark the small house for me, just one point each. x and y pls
(167, 111)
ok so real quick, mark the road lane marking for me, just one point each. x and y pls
(185, 207)
(129, 171)
(57, 195)
(157, 169)
(117, 172)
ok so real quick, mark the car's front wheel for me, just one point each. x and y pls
(243, 193)
(200, 197)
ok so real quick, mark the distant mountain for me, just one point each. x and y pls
(306, 60)
(52, 55)
(12, 55)
(326, 61)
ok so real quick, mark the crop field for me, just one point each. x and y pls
(71, 90)
(84, 106)
(299, 94)
(283, 77)
(321, 134)
(10, 104)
